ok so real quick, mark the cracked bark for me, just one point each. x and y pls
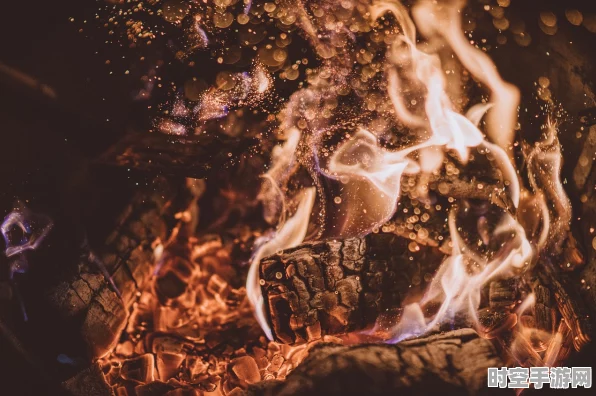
(190, 156)
(89, 382)
(451, 363)
(89, 300)
(335, 287)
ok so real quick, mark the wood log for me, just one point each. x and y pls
(503, 294)
(569, 303)
(99, 304)
(338, 286)
(544, 309)
(585, 179)
(90, 382)
(190, 156)
(452, 363)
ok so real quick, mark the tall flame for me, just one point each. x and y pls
(361, 158)
(370, 175)
(458, 283)
(291, 234)
(371, 179)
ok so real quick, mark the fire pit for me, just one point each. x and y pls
(336, 197)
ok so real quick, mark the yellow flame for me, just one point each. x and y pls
(371, 179)
(291, 234)
(458, 283)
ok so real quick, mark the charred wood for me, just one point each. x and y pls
(90, 382)
(569, 304)
(452, 363)
(339, 286)
(100, 304)
(544, 308)
(503, 294)
(189, 156)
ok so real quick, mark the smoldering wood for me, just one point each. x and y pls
(90, 382)
(194, 156)
(543, 309)
(338, 286)
(584, 176)
(455, 362)
(88, 299)
(503, 294)
(569, 304)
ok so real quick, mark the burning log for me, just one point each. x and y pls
(570, 306)
(544, 312)
(90, 381)
(128, 259)
(335, 287)
(585, 180)
(452, 363)
(189, 156)
(503, 294)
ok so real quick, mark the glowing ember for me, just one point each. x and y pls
(381, 135)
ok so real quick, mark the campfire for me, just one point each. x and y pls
(353, 202)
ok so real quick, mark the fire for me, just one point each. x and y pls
(370, 175)
(290, 234)
(361, 165)
(375, 132)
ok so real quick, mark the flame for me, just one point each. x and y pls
(448, 128)
(371, 179)
(460, 279)
(418, 78)
(34, 227)
(371, 175)
(544, 169)
(458, 283)
(246, 88)
(443, 20)
(291, 234)
(283, 160)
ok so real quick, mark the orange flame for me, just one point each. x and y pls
(289, 235)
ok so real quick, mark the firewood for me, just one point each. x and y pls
(128, 256)
(585, 179)
(544, 308)
(502, 294)
(338, 286)
(569, 304)
(90, 381)
(190, 156)
(452, 363)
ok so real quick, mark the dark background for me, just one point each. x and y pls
(47, 146)
(46, 157)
